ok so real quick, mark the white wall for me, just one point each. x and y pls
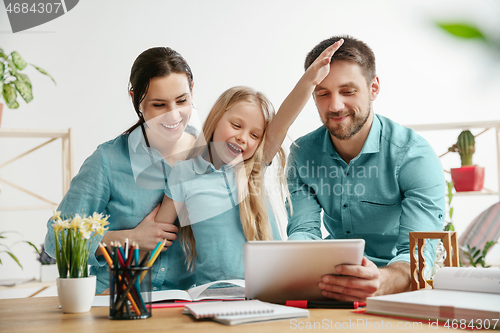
(426, 76)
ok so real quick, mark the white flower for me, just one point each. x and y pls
(59, 225)
(56, 216)
(75, 222)
(86, 229)
(77, 241)
(100, 229)
(104, 221)
(95, 217)
(65, 223)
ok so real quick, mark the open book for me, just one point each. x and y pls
(235, 289)
(230, 290)
(461, 293)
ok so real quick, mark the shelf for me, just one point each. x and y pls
(66, 137)
(486, 125)
(476, 193)
(32, 133)
(451, 126)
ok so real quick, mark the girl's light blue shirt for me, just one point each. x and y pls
(211, 199)
(113, 183)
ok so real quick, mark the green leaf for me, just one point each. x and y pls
(487, 247)
(462, 30)
(451, 212)
(9, 232)
(449, 227)
(478, 251)
(15, 259)
(10, 96)
(12, 66)
(481, 261)
(34, 246)
(24, 90)
(18, 61)
(2, 75)
(44, 72)
(24, 78)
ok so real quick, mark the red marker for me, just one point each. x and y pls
(325, 305)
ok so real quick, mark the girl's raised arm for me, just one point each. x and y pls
(296, 100)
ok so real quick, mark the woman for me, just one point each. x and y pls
(125, 177)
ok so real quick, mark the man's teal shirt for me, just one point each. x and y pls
(394, 186)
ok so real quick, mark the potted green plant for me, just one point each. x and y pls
(477, 256)
(4, 248)
(469, 177)
(12, 81)
(74, 237)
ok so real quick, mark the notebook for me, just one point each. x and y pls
(277, 271)
(214, 309)
(279, 312)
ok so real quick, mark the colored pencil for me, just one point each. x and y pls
(110, 263)
(126, 249)
(156, 253)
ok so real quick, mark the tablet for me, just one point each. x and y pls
(277, 271)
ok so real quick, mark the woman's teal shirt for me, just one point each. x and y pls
(122, 180)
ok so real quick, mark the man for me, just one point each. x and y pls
(370, 177)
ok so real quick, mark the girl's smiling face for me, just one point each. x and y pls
(167, 106)
(238, 134)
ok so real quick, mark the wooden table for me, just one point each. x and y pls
(43, 315)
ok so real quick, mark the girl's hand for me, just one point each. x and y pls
(149, 232)
(320, 68)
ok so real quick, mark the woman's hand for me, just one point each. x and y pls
(149, 232)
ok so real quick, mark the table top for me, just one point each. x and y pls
(44, 315)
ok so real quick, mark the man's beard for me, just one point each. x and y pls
(343, 132)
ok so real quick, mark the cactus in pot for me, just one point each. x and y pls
(469, 177)
(466, 146)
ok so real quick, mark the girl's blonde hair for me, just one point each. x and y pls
(250, 178)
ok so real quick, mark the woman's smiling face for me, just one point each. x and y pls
(167, 106)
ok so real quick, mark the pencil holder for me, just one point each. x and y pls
(130, 293)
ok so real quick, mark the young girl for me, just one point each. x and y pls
(218, 193)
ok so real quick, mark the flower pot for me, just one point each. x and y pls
(468, 178)
(76, 295)
(48, 273)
